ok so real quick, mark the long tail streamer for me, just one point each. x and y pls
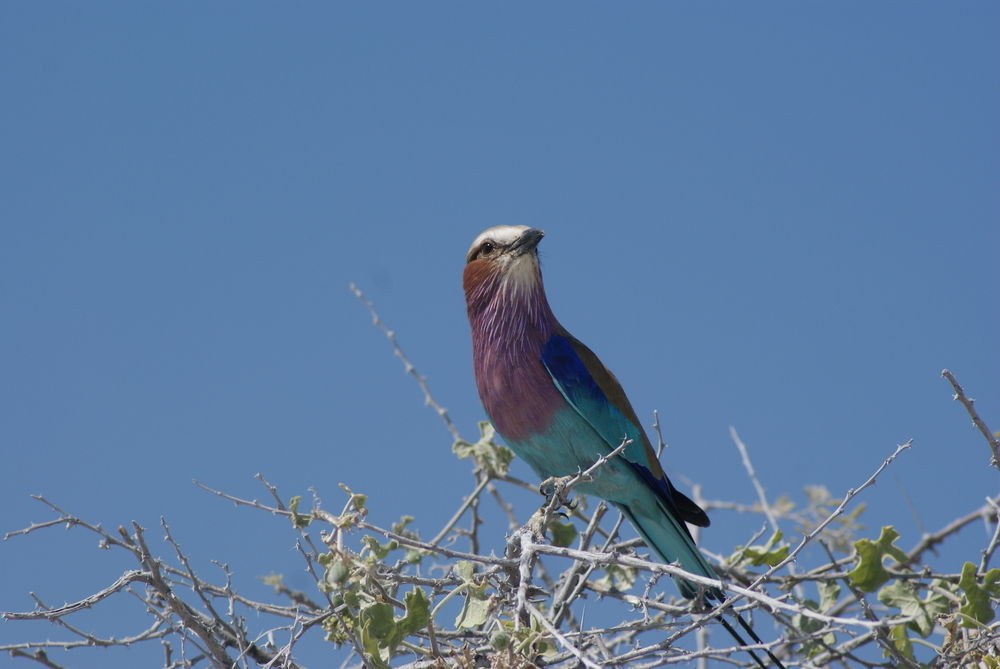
(753, 635)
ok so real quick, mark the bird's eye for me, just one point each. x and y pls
(487, 249)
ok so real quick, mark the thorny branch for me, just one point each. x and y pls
(976, 420)
(207, 630)
(851, 494)
(390, 596)
(410, 369)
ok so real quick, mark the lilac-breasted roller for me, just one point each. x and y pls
(558, 407)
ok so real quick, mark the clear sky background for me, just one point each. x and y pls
(780, 217)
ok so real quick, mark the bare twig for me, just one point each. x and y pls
(991, 548)
(677, 572)
(38, 526)
(976, 420)
(551, 629)
(484, 481)
(39, 656)
(839, 510)
(761, 494)
(126, 579)
(190, 620)
(410, 369)
(929, 541)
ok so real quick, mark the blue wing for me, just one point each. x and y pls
(578, 386)
(613, 418)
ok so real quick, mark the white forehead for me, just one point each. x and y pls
(501, 234)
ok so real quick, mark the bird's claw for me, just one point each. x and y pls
(547, 488)
(554, 490)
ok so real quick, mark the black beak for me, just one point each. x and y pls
(527, 242)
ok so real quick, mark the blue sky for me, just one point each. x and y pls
(779, 217)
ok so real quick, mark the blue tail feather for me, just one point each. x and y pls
(670, 541)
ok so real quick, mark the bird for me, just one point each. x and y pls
(559, 408)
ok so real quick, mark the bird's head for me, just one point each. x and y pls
(504, 245)
(507, 251)
(503, 262)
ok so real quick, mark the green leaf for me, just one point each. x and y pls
(494, 457)
(464, 449)
(829, 593)
(380, 551)
(905, 597)
(397, 528)
(563, 534)
(805, 623)
(378, 619)
(476, 608)
(768, 554)
(414, 555)
(759, 556)
(870, 575)
(375, 624)
(298, 520)
(356, 500)
(547, 648)
(418, 612)
(381, 633)
(464, 570)
(352, 599)
(901, 641)
(505, 456)
(978, 605)
(809, 625)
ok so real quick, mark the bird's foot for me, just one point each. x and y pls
(555, 489)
